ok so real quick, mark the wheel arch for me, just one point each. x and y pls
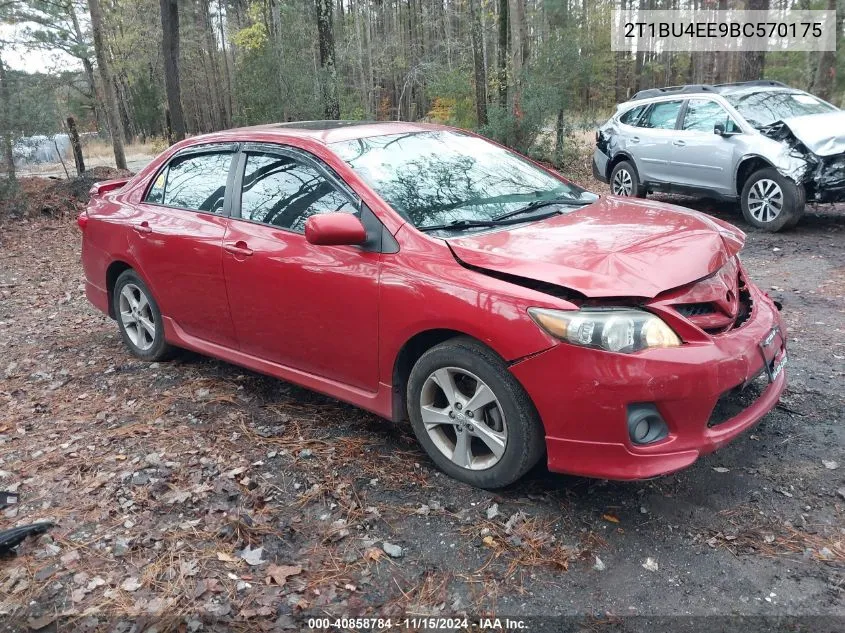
(115, 269)
(746, 167)
(618, 158)
(410, 353)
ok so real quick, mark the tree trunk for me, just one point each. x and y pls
(504, 48)
(170, 52)
(518, 49)
(825, 78)
(478, 63)
(328, 83)
(106, 81)
(73, 133)
(754, 62)
(5, 124)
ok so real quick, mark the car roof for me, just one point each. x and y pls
(325, 132)
(709, 89)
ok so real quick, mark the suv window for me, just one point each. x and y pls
(196, 181)
(285, 192)
(631, 116)
(702, 115)
(661, 116)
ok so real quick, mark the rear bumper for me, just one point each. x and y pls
(582, 396)
(98, 297)
(600, 161)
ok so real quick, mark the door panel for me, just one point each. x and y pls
(310, 308)
(700, 157)
(180, 250)
(182, 259)
(650, 143)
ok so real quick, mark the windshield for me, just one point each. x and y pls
(764, 108)
(442, 177)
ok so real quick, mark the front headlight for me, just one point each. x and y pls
(614, 330)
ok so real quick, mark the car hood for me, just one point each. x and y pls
(615, 247)
(823, 134)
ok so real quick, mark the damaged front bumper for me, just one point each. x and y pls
(826, 179)
(707, 392)
(818, 166)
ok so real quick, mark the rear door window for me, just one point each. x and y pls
(661, 116)
(631, 116)
(196, 182)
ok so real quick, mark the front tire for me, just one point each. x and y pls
(625, 182)
(771, 201)
(138, 318)
(471, 415)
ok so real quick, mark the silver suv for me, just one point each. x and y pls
(770, 146)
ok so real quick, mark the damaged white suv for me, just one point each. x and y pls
(771, 147)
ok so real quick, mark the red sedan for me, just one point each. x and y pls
(427, 274)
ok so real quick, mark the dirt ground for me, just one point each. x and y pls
(195, 495)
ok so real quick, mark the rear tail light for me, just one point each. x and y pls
(82, 220)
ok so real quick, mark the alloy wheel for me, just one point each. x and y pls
(137, 318)
(765, 200)
(623, 183)
(463, 418)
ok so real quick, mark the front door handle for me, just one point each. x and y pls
(679, 143)
(635, 139)
(238, 248)
(143, 227)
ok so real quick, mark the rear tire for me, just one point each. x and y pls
(487, 446)
(625, 182)
(771, 201)
(139, 318)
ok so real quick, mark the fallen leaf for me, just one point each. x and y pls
(489, 541)
(280, 573)
(610, 517)
(650, 564)
(252, 556)
(131, 584)
(226, 558)
(373, 553)
(721, 469)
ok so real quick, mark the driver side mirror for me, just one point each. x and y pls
(719, 129)
(335, 229)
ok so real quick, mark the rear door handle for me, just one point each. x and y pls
(238, 248)
(143, 227)
(679, 143)
(635, 139)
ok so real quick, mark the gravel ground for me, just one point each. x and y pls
(202, 496)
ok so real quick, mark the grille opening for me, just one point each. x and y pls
(745, 303)
(695, 309)
(736, 400)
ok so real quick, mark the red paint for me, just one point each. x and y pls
(334, 318)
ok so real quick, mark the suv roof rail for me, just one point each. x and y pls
(756, 82)
(693, 88)
(670, 90)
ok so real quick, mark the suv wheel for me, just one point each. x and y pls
(771, 201)
(139, 318)
(471, 415)
(625, 182)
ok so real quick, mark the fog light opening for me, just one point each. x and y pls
(645, 424)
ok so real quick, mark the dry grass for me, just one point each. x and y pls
(754, 533)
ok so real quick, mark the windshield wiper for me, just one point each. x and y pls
(538, 204)
(471, 224)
